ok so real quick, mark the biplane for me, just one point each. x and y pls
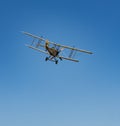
(53, 50)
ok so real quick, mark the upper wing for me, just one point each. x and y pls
(34, 36)
(63, 46)
(71, 48)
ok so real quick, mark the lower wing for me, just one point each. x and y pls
(67, 58)
(37, 49)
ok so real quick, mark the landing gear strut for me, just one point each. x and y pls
(51, 59)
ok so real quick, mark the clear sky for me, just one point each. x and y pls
(38, 93)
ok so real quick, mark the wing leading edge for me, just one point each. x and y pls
(63, 46)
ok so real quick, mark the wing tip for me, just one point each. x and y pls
(90, 52)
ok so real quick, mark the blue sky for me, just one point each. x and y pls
(35, 92)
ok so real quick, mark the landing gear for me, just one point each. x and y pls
(60, 58)
(51, 59)
(56, 62)
(46, 59)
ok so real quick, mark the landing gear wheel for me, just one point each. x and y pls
(60, 58)
(56, 62)
(46, 59)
